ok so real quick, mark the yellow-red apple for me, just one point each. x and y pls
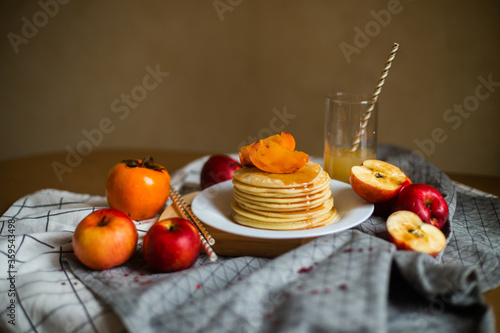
(104, 239)
(171, 245)
(377, 181)
(408, 232)
(425, 201)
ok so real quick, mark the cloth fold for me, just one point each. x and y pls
(353, 281)
(426, 296)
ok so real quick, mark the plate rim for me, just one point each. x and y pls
(335, 185)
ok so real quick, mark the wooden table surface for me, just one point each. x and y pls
(22, 176)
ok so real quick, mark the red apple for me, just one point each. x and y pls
(408, 232)
(171, 245)
(384, 208)
(104, 239)
(216, 169)
(425, 201)
(377, 181)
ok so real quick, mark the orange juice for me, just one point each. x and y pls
(339, 161)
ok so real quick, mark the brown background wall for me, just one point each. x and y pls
(235, 68)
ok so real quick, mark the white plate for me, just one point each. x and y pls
(213, 207)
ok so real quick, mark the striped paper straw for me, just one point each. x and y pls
(182, 205)
(186, 213)
(208, 250)
(376, 93)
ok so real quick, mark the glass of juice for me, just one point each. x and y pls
(343, 116)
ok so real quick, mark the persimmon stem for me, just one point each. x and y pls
(147, 163)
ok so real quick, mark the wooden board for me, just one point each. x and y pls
(227, 244)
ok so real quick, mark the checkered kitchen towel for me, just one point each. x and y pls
(353, 281)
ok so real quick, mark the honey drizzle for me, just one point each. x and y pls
(301, 178)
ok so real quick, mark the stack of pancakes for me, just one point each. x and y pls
(298, 200)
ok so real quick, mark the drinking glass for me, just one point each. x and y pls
(343, 117)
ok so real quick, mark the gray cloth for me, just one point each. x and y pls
(352, 281)
(346, 282)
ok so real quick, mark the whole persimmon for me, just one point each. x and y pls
(139, 188)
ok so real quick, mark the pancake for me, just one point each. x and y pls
(304, 203)
(290, 216)
(256, 177)
(321, 182)
(318, 221)
(298, 200)
(275, 199)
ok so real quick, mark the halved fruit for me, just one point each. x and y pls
(408, 232)
(377, 181)
(274, 158)
(284, 139)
